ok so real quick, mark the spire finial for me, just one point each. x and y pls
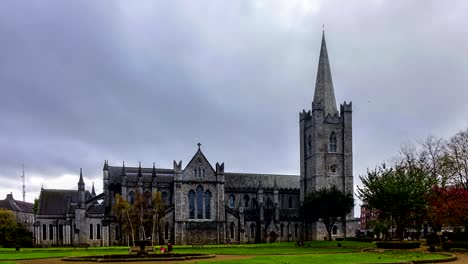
(93, 192)
(81, 185)
(199, 145)
(139, 169)
(154, 170)
(124, 172)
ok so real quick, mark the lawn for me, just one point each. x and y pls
(361, 257)
(311, 252)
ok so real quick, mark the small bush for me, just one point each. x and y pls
(359, 239)
(432, 239)
(398, 245)
(339, 239)
(449, 245)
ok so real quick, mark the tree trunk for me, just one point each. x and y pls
(131, 227)
(153, 229)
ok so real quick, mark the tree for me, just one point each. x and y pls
(327, 205)
(123, 212)
(11, 232)
(158, 208)
(448, 206)
(398, 193)
(457, 159)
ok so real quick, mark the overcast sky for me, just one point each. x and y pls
(85, 81)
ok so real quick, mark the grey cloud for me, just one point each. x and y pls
(145, 81)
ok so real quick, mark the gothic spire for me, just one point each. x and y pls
(93, 192)
(124, 172)
(106, 165)
(139, 170)
(81, 185)
(324, 97)
(153, 175)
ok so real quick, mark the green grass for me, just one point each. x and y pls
(312, 252)
(361, 257)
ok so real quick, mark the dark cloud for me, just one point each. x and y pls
(145, 81)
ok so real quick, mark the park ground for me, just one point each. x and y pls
(311, 252)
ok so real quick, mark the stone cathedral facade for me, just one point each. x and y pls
(205, 203)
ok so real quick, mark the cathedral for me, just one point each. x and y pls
(206, 204)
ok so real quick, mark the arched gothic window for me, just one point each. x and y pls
(60, 231)
(195, 172)
(191, 198)
(252, 230)
(207, 204)
(51, 232)
(269, 203)
(246, 201)
(131, 197)
(91, 235)
(232, 230)
(203, 173)
(98, 231)
(232, 201)
(44, 232)
(254, 203)
(332, 142)
(199, 202)
(295, 230)
(282, 229)
(309, 145)
(335, 230)
(290, 204)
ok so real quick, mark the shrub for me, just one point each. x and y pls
(398, 245)
(339, 239)
(432, 239)
(449, 245)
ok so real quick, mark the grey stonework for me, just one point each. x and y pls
(242, 207)
(326, 151)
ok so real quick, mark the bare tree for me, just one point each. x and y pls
(458, 158)
(434, 158)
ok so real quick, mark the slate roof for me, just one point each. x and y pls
(251, 180)
(233, 180)
(96, 209)
(132, 174)
(19, 206)
(56, 202)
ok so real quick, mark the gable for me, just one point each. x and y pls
(199, 168)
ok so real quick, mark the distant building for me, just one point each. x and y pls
(207, 205)
(23, 211)
(367, 216)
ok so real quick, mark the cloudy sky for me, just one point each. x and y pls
(85, 81)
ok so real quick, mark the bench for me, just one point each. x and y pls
(197, 245)
(137, 250)
(86, 246)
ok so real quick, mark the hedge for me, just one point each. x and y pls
(398, 245)
(448, 245)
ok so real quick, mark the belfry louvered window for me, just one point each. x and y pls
(332, 140)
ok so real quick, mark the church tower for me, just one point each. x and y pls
(326, 151)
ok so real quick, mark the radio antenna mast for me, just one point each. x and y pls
(24, 188)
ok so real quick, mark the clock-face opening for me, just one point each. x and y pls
(333, 168)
